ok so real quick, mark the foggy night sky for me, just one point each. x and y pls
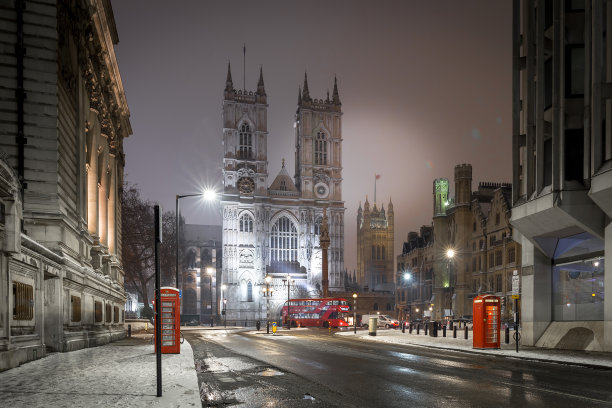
(424, 85)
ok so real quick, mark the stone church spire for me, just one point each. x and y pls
(260, 83)
(229, 84)
(305, 92)
(336, 95)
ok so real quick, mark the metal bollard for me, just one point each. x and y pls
(507, 337)
(418, 328)
(130, 331)
(426, 329)
(443, 331)
(410, 329)
(258, 325)
(454, 332)
(466, 333)
(403, 327)
(211, 322)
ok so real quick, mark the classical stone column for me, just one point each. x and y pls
(324, 241)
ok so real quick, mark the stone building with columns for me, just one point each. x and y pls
(61, 171)
(273, 228)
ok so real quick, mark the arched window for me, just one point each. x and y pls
(378, 252)
(283, 241)
(246, 142)
(383, 252)
(249, 292)
(283, 185)
(320, 156)
(246, 223)
(375, 306)
(317, 226)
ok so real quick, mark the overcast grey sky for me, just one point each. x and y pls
(425, 85)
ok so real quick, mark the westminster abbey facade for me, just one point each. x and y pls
(273, 228)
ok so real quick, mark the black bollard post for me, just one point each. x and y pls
(211, 322)
(443, 331)
(426, 329)
(454, 332)
(257, 325)
(466, 333)
(403, 327)
(418, 328)
(129, 330)
(410, 329)
(507, 335)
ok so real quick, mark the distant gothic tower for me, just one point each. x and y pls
(375, 259)
(274, 230)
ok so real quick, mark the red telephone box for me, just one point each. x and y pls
(487, 320)
(170, 321)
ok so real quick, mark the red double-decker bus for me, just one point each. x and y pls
(329, 312)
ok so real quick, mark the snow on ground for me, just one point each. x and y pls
(121, 374)
(596, 359)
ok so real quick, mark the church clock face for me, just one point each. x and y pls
(246, 185)
(321, 190)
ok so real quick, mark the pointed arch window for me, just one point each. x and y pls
(283, 241)
(249, 291)
(246, 223)
(246, 142)
(320, 150)
(317, 226)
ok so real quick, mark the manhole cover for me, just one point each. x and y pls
(269, 372)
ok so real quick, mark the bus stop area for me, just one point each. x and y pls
(572, 357)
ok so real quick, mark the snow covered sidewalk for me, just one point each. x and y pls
(119, 374)
(583, 358)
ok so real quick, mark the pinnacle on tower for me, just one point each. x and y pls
(229, 85)
(305, 93)
(260, 84)
(336, 96)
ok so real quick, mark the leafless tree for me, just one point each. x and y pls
(138, 244)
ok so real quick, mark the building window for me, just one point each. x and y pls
(474, 227)
(574, 70)
(492, 240)
(378, 252)
(548, 83)
(498, 258)
(573, 163)
(578, 291)
(283, 241)
(491, 260)
(317, 226)
(375, 307)
(246, 223)
(481, 244)
(249, 292)
(246, 142)
(474, 264)
(474, 246)
(98, 312)
(511, 255)
(320, 149)
(109, 312)
(383, 252)
(116, 314)
(403, 295)
(388, 306)
(283, 185)
(23, 301)
(498, 282)
(75, 302)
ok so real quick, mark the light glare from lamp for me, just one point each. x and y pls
(209, 195)
(450, 253)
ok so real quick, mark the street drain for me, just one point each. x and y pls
(268, 372)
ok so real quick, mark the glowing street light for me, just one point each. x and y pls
(355, 311)
(450, 253)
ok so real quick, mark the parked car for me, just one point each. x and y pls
(383, 321)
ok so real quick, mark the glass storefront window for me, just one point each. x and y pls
(578, 291)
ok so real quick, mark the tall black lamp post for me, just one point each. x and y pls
(288, 281)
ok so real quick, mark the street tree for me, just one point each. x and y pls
(138, 245)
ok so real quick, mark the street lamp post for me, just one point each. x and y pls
(450, 255)
(355, 312)
(224, 313)
(288, 281)
(267, 292)
(208, 195)
(209, 271)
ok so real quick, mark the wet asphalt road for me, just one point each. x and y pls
(349, 372)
